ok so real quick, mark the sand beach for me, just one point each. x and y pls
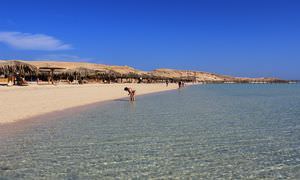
(19, 103)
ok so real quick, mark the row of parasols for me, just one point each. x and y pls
(24, 69)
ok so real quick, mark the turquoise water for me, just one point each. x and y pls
(206, 131)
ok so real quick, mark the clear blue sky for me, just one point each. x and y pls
(242, 38)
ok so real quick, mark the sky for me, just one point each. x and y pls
(244, 38)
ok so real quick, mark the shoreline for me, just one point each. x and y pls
(19, 104)
(24, 103)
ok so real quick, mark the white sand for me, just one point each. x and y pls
(17, 103)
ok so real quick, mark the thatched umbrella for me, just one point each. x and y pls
(82, 71)
(16, 67)
(51, 70)
(108, 74)
(102, 74)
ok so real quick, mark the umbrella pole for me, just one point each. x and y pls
(52, 74)
(49, 77)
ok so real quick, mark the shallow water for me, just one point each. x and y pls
(205, 131)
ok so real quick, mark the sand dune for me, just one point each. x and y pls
(198, 76)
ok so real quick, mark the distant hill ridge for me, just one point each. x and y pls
(198, 76)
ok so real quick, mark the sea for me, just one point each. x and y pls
(210, 131)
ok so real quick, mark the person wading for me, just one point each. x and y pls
(131, 93)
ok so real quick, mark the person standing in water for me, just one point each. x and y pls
(179, 84)
(131, 93)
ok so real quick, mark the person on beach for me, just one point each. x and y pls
(167, 83)
(179, 84)
(131, 93)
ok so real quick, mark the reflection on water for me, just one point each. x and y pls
(207, 131)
